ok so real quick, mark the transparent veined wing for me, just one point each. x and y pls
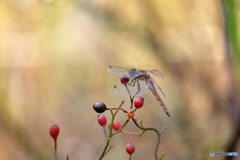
(158, 87)
(125, 72)
(118, 71)
(155, 72)
(122, 90)
(150, 83)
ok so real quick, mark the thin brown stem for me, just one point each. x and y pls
(117, 109)
(108, 149)
(163, 129)
(130, 156)
(131, 133)
(105, 132)
(55, 148)
(131, 99)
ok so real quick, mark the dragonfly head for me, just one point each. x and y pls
(132, 72)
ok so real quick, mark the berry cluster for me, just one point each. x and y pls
(116, 127)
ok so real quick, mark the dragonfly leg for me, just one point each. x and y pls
(139, 88)
(158, 86)
(132, 83)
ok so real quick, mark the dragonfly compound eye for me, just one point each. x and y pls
(132, 72)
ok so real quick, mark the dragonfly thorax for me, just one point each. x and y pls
(143, 76)
(133, 72)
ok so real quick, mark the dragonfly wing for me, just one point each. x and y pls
(143, 88)
(155, 72)
(125, 72)
(150, 83)
(118, 71)
(158, 87)
(122, 90)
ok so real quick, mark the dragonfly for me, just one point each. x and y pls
(139, 81)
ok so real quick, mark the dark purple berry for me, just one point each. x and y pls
(99, 107)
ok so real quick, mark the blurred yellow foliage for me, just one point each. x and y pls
(53, 59)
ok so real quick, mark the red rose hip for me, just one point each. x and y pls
(116, 125)
(130, 148)
(124, 80)
(138, 103)
(54, 131)
(102, 120)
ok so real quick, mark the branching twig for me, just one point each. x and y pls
(131, 133)
(162, 156)
(163, 129)
(117, 109)
(108, 149)
(105, 132)
(124, 124)
(110, 134)
(153, 129)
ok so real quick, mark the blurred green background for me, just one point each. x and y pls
(53, 60)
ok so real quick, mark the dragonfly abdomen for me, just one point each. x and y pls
(154, 92)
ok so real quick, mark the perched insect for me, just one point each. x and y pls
(138, 80)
